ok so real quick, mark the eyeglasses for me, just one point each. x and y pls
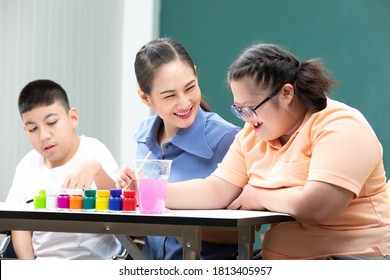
(249, 111)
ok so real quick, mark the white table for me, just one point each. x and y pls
(185, 224)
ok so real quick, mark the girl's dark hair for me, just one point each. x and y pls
(155, 54)
(270, 66)
(41, 93)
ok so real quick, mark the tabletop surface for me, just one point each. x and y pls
(220, 217)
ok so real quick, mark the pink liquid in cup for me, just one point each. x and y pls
(151, 194)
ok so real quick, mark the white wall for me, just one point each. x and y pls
(88, 46)
(140, 24)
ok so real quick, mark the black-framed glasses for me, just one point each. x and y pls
(249, 111)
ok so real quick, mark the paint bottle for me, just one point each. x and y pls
(63, 199)
(76, 199)
(89, 200)
(115, 201)
(102, 200)
(129, 201)
(40, 200)
(51, 199)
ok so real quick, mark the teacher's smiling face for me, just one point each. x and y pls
(175, 96)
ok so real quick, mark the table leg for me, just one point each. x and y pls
(245, 242)
(130, 246)
(192, 242)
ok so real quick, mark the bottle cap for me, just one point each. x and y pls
(103, 193)
(52, 192)
(76, 192)
(42, 192)
(129, 193)
(90, 192)
(64, 191)
(115, 192)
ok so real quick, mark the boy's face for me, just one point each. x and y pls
(52, 132)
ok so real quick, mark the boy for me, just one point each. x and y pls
(60, 159)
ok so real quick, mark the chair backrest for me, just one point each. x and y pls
(6, 247)
(5, 240)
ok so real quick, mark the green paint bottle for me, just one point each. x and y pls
(89, 200)
(40, 200)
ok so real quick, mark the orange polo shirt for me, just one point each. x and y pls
(338, 146)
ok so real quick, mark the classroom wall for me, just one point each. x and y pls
(88, 47)
(351, 36)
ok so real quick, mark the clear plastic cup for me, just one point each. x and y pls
(152, 177)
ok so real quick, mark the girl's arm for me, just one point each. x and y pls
(209, 193)
(314, 203)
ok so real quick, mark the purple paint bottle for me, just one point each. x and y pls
(63, 199)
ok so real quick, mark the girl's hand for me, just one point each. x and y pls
(247, 200)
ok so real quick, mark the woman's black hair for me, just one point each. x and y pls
(155, 54)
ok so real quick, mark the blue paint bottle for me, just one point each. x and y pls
(115, 201)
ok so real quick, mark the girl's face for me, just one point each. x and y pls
(175, 96)
(273, 119)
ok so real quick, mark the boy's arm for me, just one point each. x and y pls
(104, 181)
(85, 173)
(21, 241)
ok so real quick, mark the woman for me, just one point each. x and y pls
(300, 153)
(183, 130)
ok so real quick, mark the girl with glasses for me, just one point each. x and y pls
(183, 130)
(301, 153)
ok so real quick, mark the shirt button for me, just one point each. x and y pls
(167, 147)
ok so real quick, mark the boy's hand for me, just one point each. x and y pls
(127, 179)
(82, 176)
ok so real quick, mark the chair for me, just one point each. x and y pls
(135, 242)
(5, 240)
(6, 247)
(123, 255)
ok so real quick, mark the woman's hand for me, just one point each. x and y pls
(127, 179)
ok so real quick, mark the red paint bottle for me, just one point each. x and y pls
(129, 201)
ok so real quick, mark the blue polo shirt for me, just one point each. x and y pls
(195, 152)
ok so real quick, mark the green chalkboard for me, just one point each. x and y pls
(351, 36)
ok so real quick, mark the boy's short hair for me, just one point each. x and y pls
(41, 93)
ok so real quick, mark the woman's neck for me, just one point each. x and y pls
(165, 134)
